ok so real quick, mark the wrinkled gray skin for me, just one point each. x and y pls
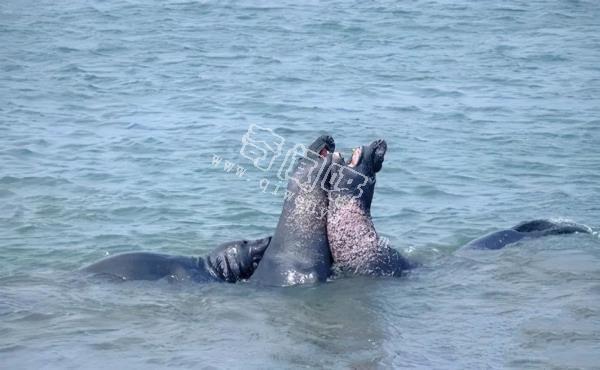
(229, 262)
(299, 251)
(528, 229)
(354, 243)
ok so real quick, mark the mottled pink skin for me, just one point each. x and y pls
(353, 240)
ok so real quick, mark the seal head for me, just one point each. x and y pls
(355, 245)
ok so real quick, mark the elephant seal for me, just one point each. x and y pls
(299, 251)
(229, 262)
(355, 245)
(527, 229)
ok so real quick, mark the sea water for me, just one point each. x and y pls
(123, 126)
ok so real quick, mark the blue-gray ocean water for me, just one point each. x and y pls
(119, 120)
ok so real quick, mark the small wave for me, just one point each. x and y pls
(33, 180)
(66, 49)
(132, 211)
(546, 58)
(12, 68)
(287, 79)
(510, 10)
(6, 193)
(21, 152)
(398, 108)
(138, 126)
(72, 68)
(404, 213)
(433, 191)
(25, 229)
(263, 60)
(105, 49)
(434, 92)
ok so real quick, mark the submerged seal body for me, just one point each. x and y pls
(527, 229)
(229, 262)
(355, 245)
(299, 251)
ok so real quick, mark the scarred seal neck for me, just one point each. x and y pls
(353, 241)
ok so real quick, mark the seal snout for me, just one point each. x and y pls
(329, 145)
(324, 145)
(380, 143)
(379, 150)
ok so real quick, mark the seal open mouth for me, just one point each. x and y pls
(323, 146)
(355, 159)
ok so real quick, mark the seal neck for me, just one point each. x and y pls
(353, 241)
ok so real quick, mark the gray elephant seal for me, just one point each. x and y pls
(527, 229)
(229, 262)
(299, 251)
(353, 240)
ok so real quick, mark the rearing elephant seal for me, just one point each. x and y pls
(354, 243)
(299, 251)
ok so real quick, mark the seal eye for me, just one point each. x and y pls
(245, 242)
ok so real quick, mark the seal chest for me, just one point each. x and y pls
(352, 237)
